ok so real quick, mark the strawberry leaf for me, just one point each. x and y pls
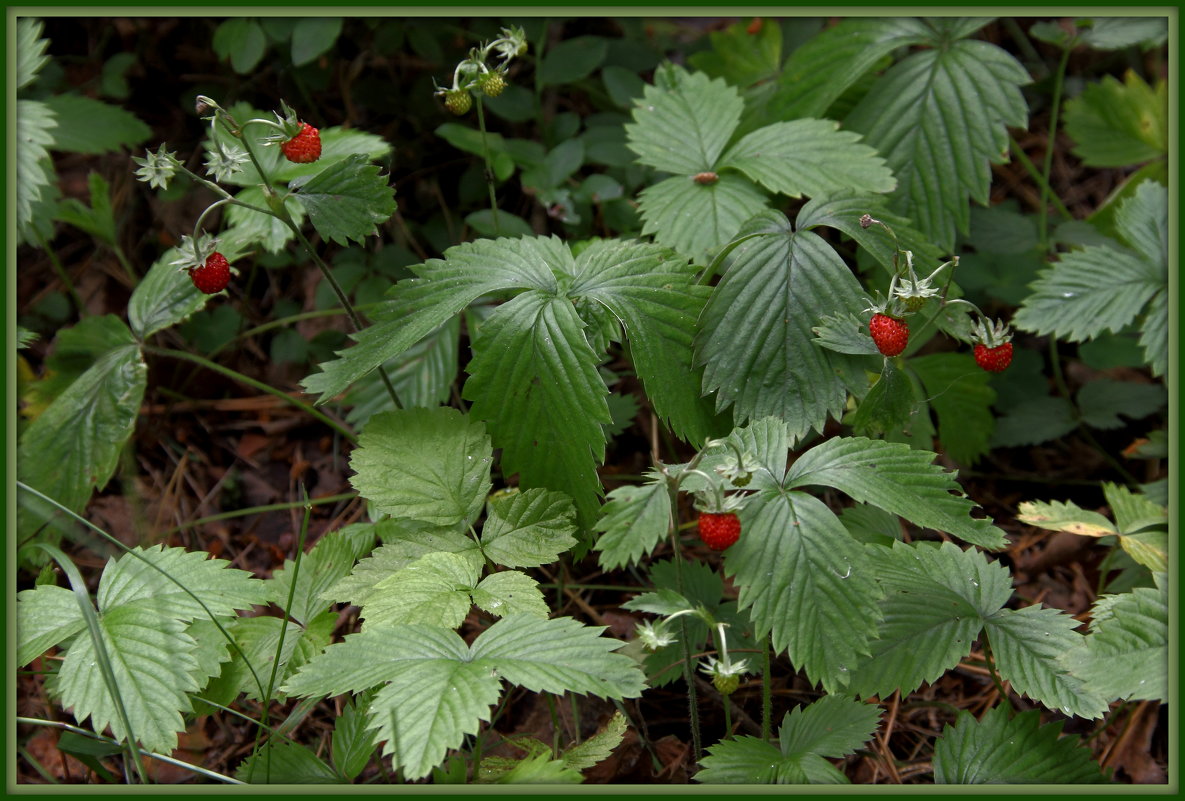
(807, 583)
(1119, 124)
(654, 295)
(1001, 749)
(347, 199)
(45, 616)
(510, 592)
(433, 590)
(528, 529)
(424, 464)
(285, 763)
(961, 396)
(694, 218)
(843, 210)
(808, 157)
(939, 117)
(632, 523)
(533, 378)
(35, 122)
(787, 283)
(898, 479)
(436, 689)
(329, 561)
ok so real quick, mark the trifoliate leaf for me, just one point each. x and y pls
(936, 599)
(632, 523)
(654, 295)
(808, 157)
(1000, 749)
(347, 200)
(533, 378)
(529, 528)
(1065, 516)
(1125, 655)
(259, 648)
(90, 126)
(832, 727)
(45, 616)
(510, 593)
(792, 553)
(1028, 644)
(1119, 124)
(787, 283)
(433, 590)
(682, 127)
(962, 397)
(424, 464)
(695, 219)
(939, 117)
(898, 479)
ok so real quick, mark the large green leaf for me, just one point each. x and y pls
(682, 125)
(1125, 655)
(424, 464)
(808, 157)
(1119, 124)
(898, 479)
(433, 590)
(528, 529)
(1028, 644)
(936, 599)
(696, 218)
(843, 210)
(632, 523)
(441, 290)
(654, 295)
(45, 616)
(347, 200)
(830, 728)
(961, 396)
(807, 582)
(939, 117)
(756, 331)
(437, 689)
(533, 378)
(1001, 749)
(74, 445)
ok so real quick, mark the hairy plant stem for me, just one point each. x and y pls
(63, 276)
(767, 701)
(1055, 102)
(489, 170)
(997, 682)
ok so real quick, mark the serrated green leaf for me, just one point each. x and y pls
(598, 747)
(241, 41)
(353, 740)
(1148, 548)
(654, 295)
(35, 122)
(808, 157)
(1065, 516)
(154, 665)
(442, 289)
(664, 601)
(935, 602)
(890, 406)
(632, 523)
(1133, 511)
(1000, 749)
(329, 561)
(740, 56)
(898, 479)
(694, 218)
(1119, 124)
(826, 65)
(98, 220)
(90, 126)
(30, 50)
(939, 117)
(832, 727)
(157, 578)
(1154, 339)
(285, 763)
(843, 210)
(247, 229)
(258, 641)
(962, 397)
(1102, 401)
(763, 362)
(1115, 33)
(1033, 421)
(45, 617)
(844, 332)
(1027, 644)
(538, 768)
(433, 590)
(75, 350)
(405, 542)
(313, 36)
(74, 445)
(529, 528)
(510, 593)
(347, 200)
(1125, 655)
(422, 376)
(424, 464)
(683, 129)
(533, 378)
(806, 582)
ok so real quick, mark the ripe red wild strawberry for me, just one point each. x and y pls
(719, 530)
(890, 334)
(213, 276)
(305, 147)
(994, 360)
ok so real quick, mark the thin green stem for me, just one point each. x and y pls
(995, 674)
(767, 701)
(255, 510)
(1033, 172)
(283, 322)
(684, 641)
(259, 385)
(63, 276)
(489, 170)
(1047, 168)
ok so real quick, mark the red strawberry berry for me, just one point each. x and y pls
(719, 530)
(994, 360)
(213, 276)
(305, 147)
(890, 334)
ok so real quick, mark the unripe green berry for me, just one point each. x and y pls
(492, 84)
(913, 303)
(458, 101)
(726, 684)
